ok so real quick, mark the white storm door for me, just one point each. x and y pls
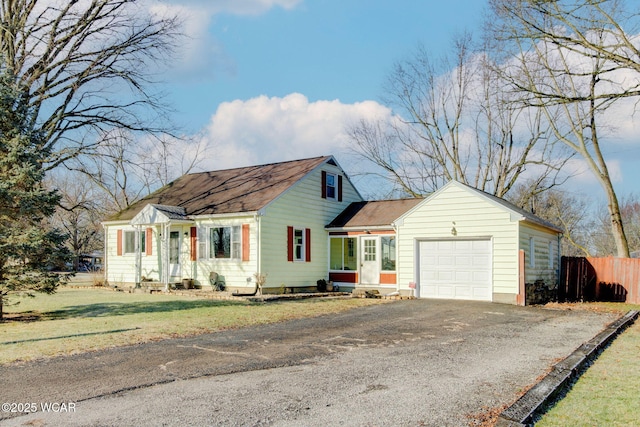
(174, 253)
(369, 263)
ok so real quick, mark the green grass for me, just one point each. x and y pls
(79, 320)
(608, 393)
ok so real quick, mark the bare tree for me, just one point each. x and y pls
(603, 240)
(85, 67)
(125, 171)
(568, 210)
(455, 122)
(573, 60)
(79, 213)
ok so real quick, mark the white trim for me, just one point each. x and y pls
(303, 249)
(361, 228)
(515, 215)
(238, 215)
(417, 256)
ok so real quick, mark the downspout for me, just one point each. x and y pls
(138, 273)
(105, 256)
(395, 228)
(165, 256)
(258, 217)
(397, 291)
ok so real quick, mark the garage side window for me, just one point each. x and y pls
(388, 248)
(532, 252)
(343, 254)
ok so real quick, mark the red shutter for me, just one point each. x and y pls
(307, 244)
(119, 243)
(339, 188)
(245, 242)
(148, 244)
(194, 243)
(324, 184)
(290, 244)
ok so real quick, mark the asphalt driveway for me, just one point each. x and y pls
(411, 363)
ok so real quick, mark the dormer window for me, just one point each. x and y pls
(331, 186)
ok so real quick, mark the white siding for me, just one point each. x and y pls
(120, 270)
(235, 272)
(301, 206)
(472, 216)
(546, 265)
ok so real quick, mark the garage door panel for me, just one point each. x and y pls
(463, 277)
(481, 276)
(445, 261)
(456, 269)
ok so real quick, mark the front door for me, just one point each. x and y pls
(174, 253)
(369, 265)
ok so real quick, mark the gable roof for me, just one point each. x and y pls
(159, 214)
(523, 214)
(238, 190)
(528, 216)
(375, 213)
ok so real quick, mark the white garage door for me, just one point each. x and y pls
(455, 269)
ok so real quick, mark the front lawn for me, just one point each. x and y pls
(608, 393)
(78, 320)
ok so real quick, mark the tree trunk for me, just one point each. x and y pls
(617, 227)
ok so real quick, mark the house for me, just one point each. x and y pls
(458, 243)
(301, 221)
(266, 219)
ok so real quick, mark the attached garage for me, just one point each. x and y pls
(455, 269)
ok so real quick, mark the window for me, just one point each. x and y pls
(130, 242)
(331, 186)
(370, 249)
(532, 252)
(202, 243)
(388, 248)
(298, 244)
(343, 252)
(224, 242)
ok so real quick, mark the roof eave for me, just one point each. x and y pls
(361, 228)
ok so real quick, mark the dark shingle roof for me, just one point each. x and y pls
(373, 213)
(238, 190)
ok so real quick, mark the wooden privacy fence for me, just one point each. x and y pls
(599, 279)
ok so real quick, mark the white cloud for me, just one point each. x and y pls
(582, 178)
(200, 54)
(264, 130)
(236, 7)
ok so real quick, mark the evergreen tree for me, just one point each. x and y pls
(29, 249)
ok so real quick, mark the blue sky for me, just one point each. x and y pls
(323, 49)
(270, 80)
